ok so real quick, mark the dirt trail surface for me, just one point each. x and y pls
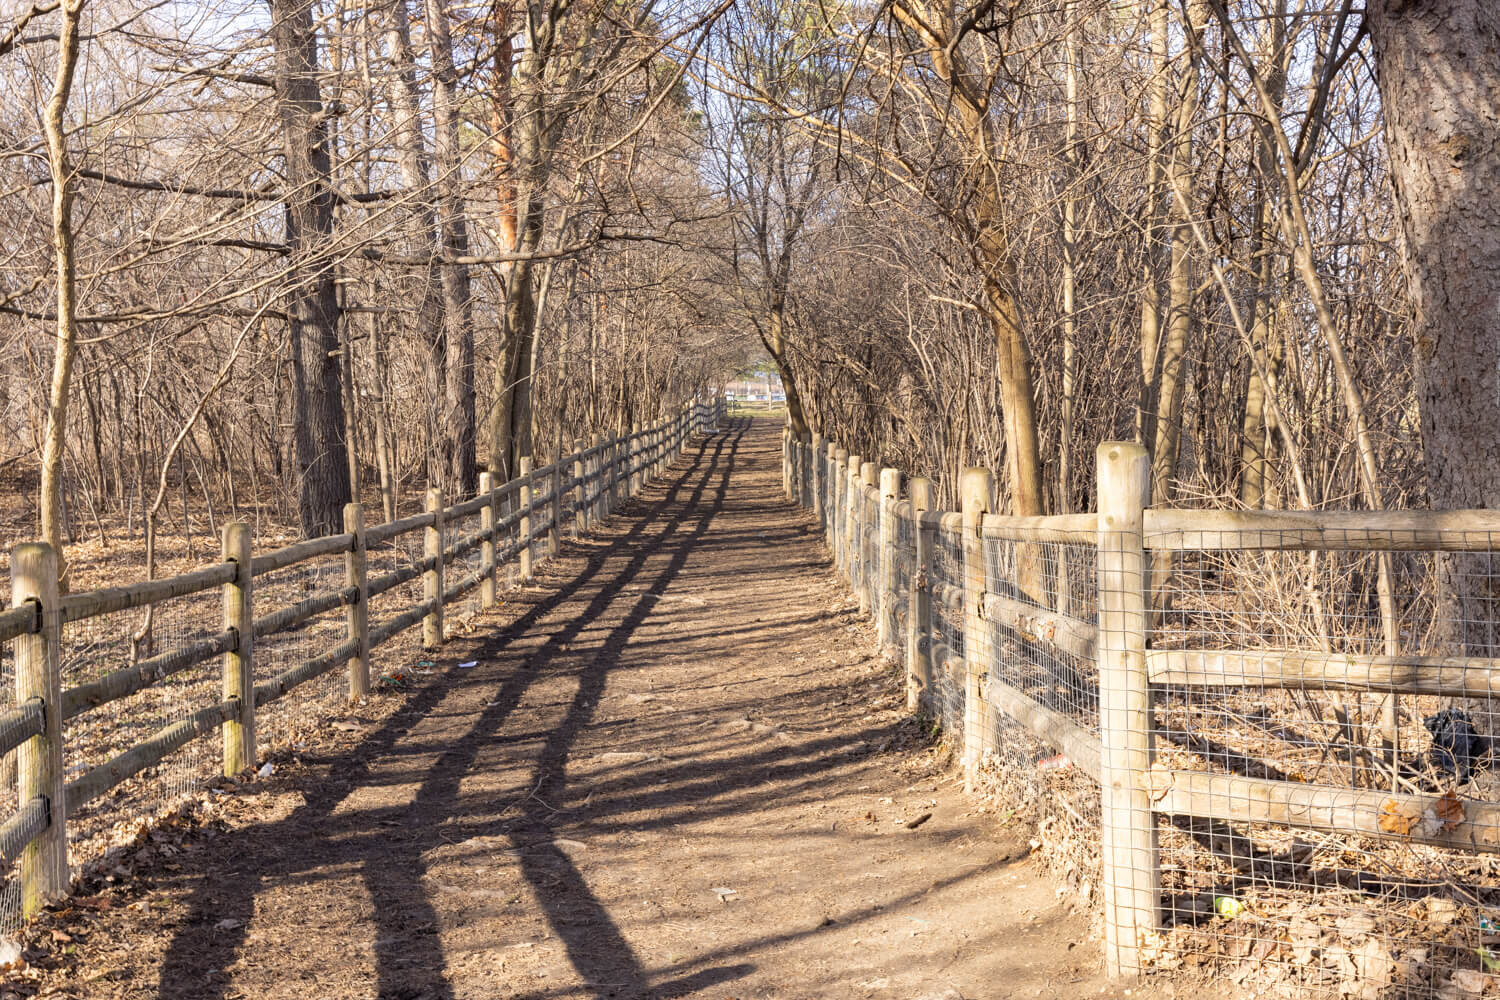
(675, 772)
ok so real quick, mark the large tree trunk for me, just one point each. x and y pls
(456, 428)
(1438, 67)
(318, 415)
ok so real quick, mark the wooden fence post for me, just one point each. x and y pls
(432, 579)
(838, 514)
(523, 531)
(632, 460)
(487, 521)
(869, 523)
(580, 491)
(1128, 849)
(974, 493)
(830, 489)
(852, 495)
(554, 533)
(816, 476)
(919, 615)
(39, 761)
(806, 458)
(238, 664)
(885, 593)
(794, 470)
(357, 615)
(786, 461)
(599, 475)
(614, 472)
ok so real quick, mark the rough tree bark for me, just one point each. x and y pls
(456, 426)
(1438, 68)
(313, 314)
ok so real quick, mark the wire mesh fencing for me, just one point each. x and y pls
(1357, 680)
(10, 891)
(1264, 745)
(283, 722)
(1039, 633)
(97, 646)
(945, 580)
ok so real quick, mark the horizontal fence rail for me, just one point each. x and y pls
(515, 518)
(1215, 687)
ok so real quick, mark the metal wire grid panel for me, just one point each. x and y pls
(946, 700)
(903, 552)
(397, 666)
(10, 890)
(869, 548)
(462, 609)
(96, 646)
(1341, 898)
(284, 722)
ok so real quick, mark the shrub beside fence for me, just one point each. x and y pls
(512, 520)
(1265, 740)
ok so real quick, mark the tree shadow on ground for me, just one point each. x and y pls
(390, 845)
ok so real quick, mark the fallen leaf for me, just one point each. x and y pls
(1398, 817)
(1470, 981)
(1449, 810)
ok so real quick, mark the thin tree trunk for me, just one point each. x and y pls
(457, 432)
(65, 349)
(421, 286)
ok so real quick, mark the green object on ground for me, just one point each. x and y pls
(1228, 907)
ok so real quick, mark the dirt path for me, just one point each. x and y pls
(675, 772)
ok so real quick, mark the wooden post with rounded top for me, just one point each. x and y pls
(598, 476)
(869, 525)
(39, 762)
(1128, 849)
(554, 533)
(487, 520)
(974, 494)
(633, 460)
(432, 577)
(807, 459)
(357, 615)
(580, 490)
(829, 490)
(885, 626)
(523, 530)
(852, 506)
(786, 461)
(838, 520)
(818, 450)
(919, 615)
(614, 473)
(238, 673)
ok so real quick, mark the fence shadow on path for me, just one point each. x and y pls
(389, 846)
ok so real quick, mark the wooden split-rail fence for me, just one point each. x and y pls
(528, 510)
(877, 536)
